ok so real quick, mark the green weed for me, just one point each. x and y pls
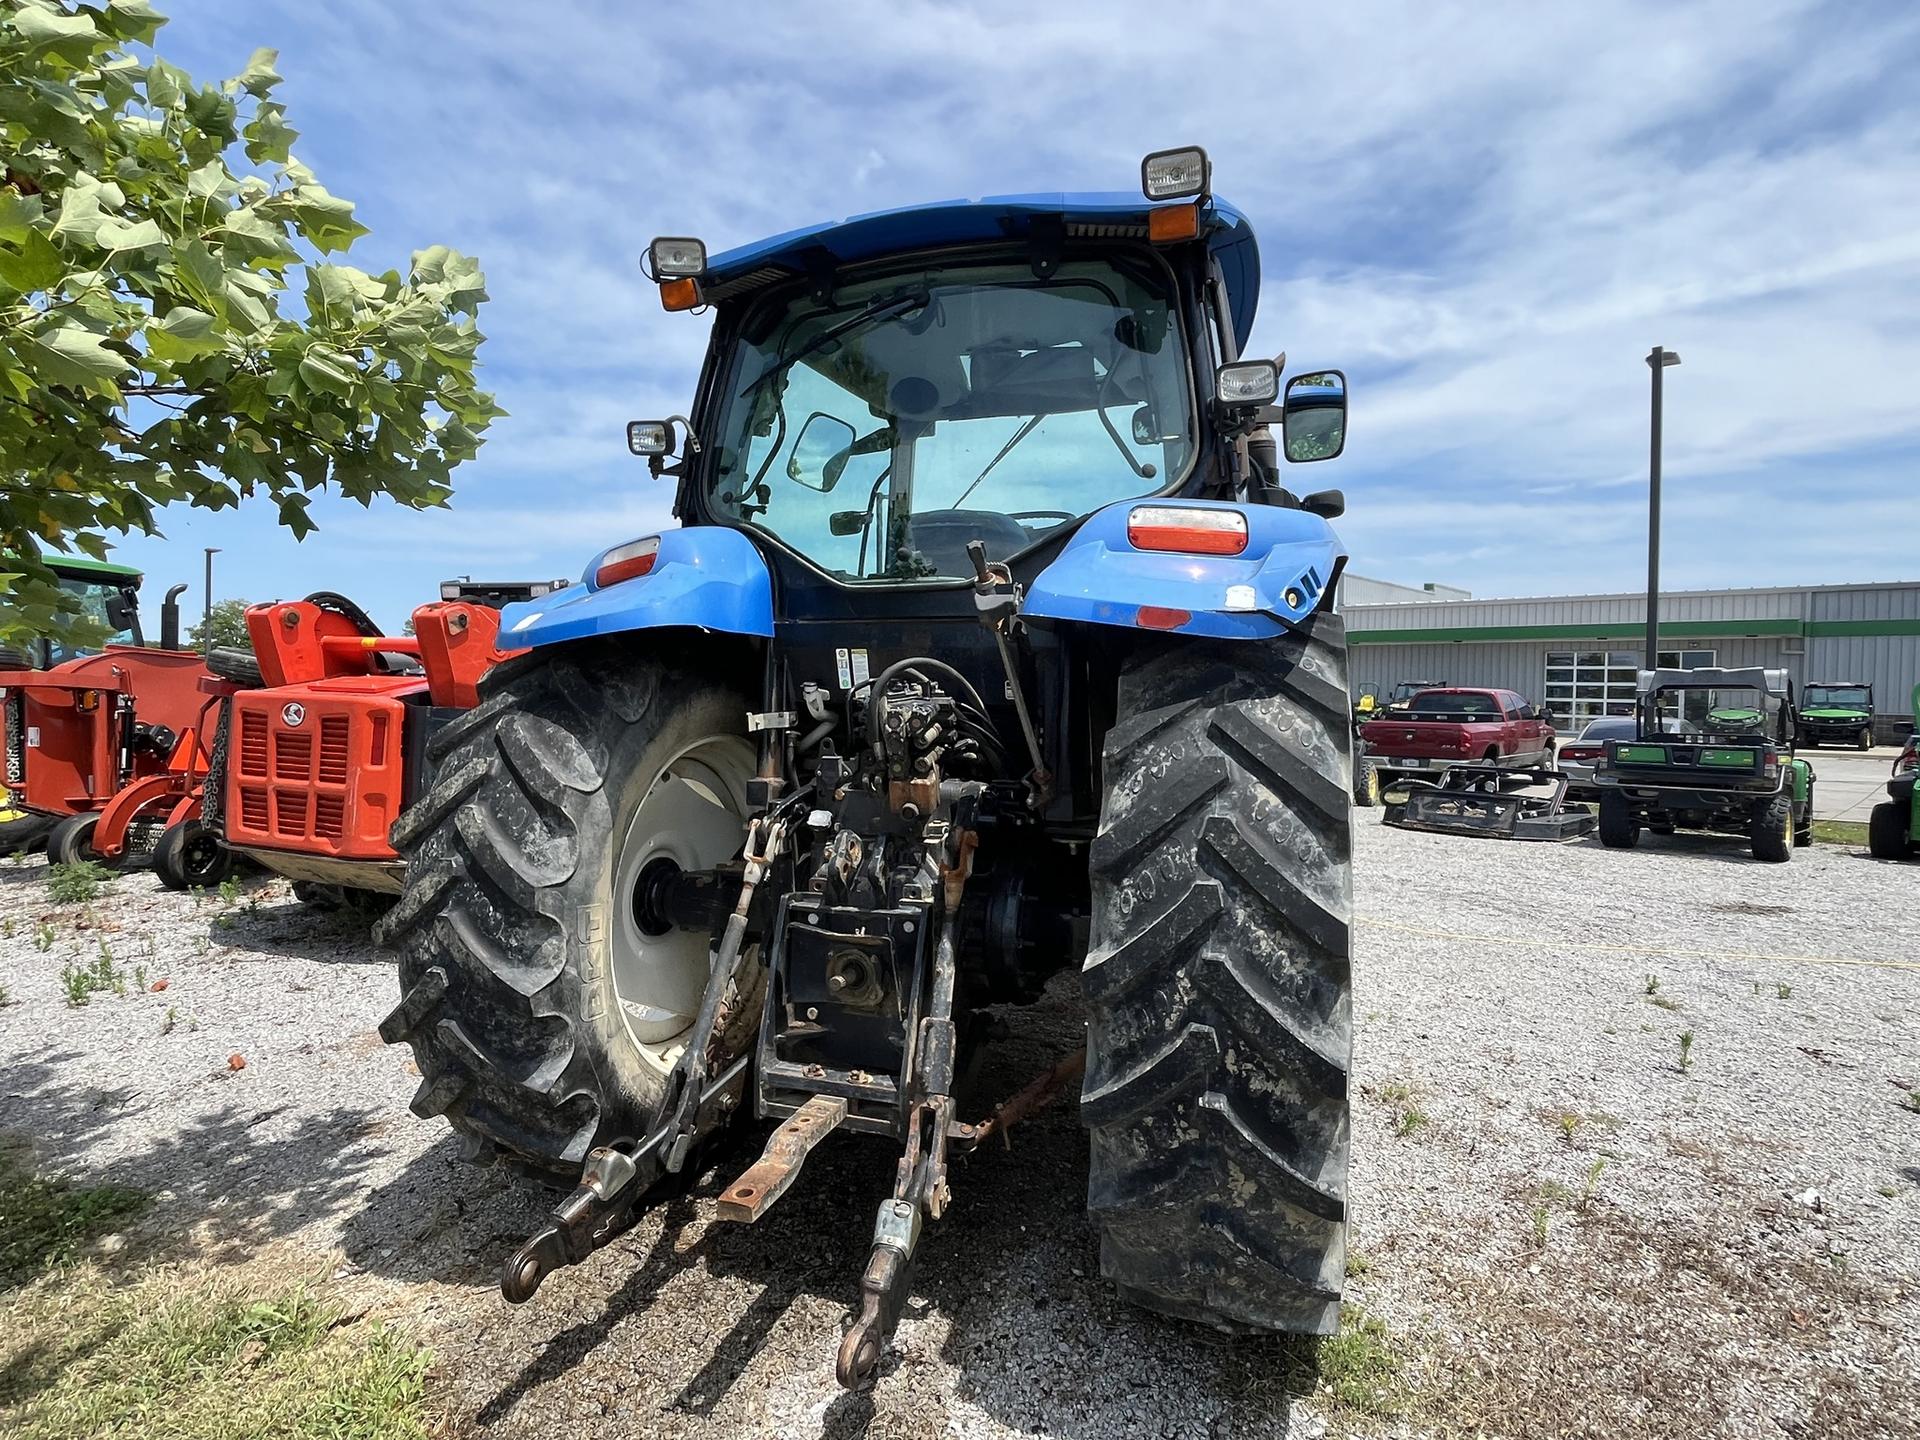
(77, 883)
(1686, 1051)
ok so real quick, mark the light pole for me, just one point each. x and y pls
(206, 613)
(1658, 359)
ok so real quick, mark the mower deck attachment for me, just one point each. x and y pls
(1469, 800)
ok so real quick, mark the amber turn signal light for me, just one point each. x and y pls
(1168, 223)
(682, 294)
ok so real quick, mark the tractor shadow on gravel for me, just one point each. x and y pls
(1012, 1270)
(234, 1178)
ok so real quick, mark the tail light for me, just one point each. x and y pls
(1187, 531)
(1908, 759)
(626, 562)
(1580, 752)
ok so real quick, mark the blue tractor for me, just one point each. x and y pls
(990, 645)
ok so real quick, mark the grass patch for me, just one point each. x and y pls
(203, 1356)
(1407, 1119)
(77, 883)
(1839, 832)
(44, 1223)
(1359, 1367)
(187, 1354)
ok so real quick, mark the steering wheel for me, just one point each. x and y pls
(1058, 517)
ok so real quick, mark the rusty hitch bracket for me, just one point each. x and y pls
(601, 1207)
(920, 1182)
(773, 1174)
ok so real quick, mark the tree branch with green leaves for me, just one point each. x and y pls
(154, 235)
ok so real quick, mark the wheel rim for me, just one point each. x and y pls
(1373, 787)
(200, 857)
(692, 816)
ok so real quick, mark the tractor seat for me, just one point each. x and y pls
(942, 536)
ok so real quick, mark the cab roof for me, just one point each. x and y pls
(1116, 214)
(81, 567)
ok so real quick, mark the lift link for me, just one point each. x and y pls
(996, 598)
(920, 1185)
(601, 1206)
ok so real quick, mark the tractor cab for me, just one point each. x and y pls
(109, 596)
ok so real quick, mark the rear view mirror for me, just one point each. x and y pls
(120, 611)
(1316, 416)
(820, 452)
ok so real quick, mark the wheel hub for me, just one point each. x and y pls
(692, 818)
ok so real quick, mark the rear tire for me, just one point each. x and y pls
(71, 841)
(1366, 783)
(24, 834)
(1618, 829)
(1889, 836)
(1218, 982)
(1803, 822)
(510, 918)
(1771, 830)
(189, 855)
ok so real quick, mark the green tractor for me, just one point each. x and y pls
(1893, 826)
(1836, 711)
(1732, 771)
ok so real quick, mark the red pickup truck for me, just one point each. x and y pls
(1447, 727)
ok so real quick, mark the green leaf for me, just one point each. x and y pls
(246, 233)
(260, 77)
(293, 515)
(325, 219)
(327, 369)
(201, 273)
(133, 20)
(117, 234)
(37, 266)
(167, 85)
(18, 213)
(184, 334)
(269, 137)
(72, 37)
(71, 355)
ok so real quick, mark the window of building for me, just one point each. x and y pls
(1583, 685)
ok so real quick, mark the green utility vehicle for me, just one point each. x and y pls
(1893, 826)
(1837, 711)
(1732, 770)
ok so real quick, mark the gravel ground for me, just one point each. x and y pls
(1562, 1230)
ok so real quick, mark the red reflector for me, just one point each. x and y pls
(1159, 617)
(627, 562)
(1187, 531)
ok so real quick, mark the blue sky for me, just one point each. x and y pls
(1486, 214)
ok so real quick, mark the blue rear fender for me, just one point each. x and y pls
(708, 577)
(1275, 583)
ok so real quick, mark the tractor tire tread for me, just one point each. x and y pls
(1218, 983)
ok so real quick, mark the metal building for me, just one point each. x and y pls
(1579, 653)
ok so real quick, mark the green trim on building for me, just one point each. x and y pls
(1622, 630)
(1863, 627)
